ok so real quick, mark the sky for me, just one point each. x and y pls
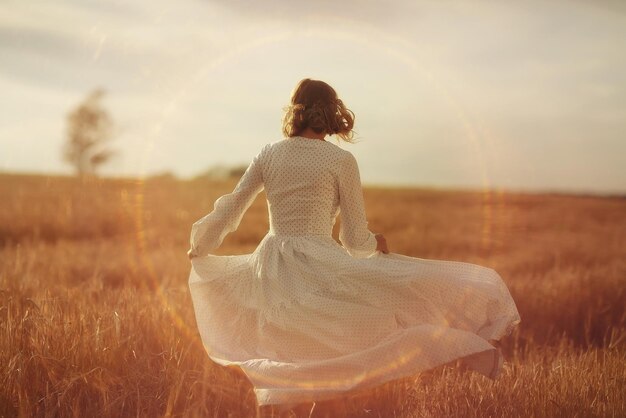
(511, 95)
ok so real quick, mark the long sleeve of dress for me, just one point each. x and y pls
(353, 234)
(208, 233)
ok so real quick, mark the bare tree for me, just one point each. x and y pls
(89, 129)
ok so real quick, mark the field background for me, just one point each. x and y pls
(96, 318)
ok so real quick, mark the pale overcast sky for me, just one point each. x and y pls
(515, 95)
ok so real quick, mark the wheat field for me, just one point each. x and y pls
(97, 321)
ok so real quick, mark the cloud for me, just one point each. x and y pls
(323, 12)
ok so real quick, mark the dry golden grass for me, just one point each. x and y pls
(97, 320)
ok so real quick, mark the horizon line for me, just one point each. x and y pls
(366, 185)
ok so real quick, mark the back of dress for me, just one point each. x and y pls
(301, 183)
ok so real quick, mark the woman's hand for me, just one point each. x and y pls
(381, 244)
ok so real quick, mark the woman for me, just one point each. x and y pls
(308, 319)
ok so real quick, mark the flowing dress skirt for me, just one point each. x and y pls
(306, 321)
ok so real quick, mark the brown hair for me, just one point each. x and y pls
(315, 105)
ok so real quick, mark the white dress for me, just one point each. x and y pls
(309, 319)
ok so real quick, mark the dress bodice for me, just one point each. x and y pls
(307, 183)
(300, 176)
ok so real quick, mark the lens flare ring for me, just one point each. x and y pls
(403, 51)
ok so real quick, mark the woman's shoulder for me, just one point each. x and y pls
(330, 152)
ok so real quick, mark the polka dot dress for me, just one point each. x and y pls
(307, 318)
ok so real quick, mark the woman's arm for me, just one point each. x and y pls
(354, 234)
(209, 232)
